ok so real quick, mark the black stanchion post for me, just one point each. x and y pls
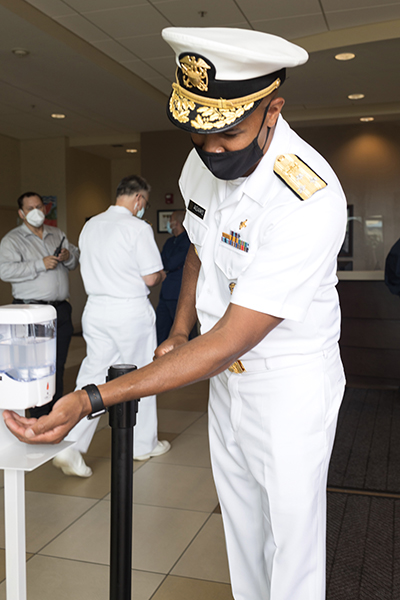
(122, 420)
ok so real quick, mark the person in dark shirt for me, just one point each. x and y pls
(392, 269)
(173, 256)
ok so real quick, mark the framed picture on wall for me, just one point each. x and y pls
(347, 247)
(50, 205)
(345, 265)
(162, 220)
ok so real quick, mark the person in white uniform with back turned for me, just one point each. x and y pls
(119, 262)
(266, 217)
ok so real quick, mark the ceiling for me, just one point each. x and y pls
(104, 65)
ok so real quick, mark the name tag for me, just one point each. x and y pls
(196, 209)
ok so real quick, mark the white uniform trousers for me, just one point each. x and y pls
(271, 437)
(118, 331)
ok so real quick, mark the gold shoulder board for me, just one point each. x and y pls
(298, 176)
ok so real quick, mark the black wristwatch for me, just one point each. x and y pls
(96, 401)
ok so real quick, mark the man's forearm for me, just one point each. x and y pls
(15, 272)
(186, 315)
(199, 359)
(154, 278)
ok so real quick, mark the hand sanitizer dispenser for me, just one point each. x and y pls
(27, 355)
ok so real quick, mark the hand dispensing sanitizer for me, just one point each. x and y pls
(27, 379)
(27, 355)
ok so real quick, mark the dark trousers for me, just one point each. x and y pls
(64, 334)
(165, 315)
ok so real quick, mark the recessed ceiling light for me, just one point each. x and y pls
(345, 56)
(58, 116)
(20, 52)
(367, 119)
(131, 150)
(355, 96)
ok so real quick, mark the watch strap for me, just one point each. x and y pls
(96, 401)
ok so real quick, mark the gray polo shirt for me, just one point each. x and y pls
(21, 263)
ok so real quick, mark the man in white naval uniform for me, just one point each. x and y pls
(119, 262)
(266, 217)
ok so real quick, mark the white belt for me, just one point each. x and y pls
(278, 362)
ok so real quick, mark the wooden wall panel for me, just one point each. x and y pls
(370, 340)
(371, 362)
(368, 300)
(371, 333)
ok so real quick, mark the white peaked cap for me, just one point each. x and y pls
(223, 74)
(236, 53)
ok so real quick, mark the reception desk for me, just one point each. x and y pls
(370, 340)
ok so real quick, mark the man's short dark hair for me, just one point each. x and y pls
(132, 185)
(27, 195)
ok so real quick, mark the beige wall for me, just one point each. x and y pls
(163, 154)
(88, 193)
(366, 157)
(123, 168)
(10, 172)
(43, 170)
(10, 182)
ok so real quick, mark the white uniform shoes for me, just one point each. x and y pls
(161, 448)
(71, 462)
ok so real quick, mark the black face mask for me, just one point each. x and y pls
(234, 164)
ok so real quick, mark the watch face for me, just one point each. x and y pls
(94, 415)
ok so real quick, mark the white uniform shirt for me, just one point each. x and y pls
(117, 249)
(286, 265)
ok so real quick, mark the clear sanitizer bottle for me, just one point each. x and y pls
(27, 355)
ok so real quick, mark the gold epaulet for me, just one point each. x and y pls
(298, 176)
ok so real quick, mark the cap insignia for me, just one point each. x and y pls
(302, 180)
(194, 72)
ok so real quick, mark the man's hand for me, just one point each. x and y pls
(169, 344)
(50, 262)
(52, 428)
(64, 255)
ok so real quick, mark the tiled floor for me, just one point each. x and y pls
(178, 545)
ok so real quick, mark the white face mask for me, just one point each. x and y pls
(140, 213)
(35, 217)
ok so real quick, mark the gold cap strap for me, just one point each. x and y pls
(221, 102)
